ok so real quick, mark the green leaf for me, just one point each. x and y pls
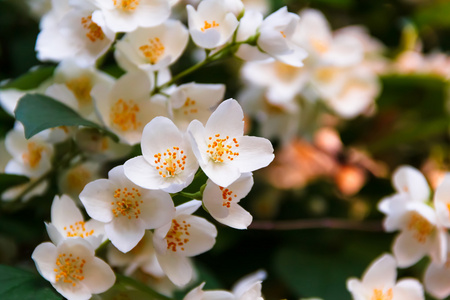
(10, 180)
(436, 15)
(38, 112)
(18, 284)
(32, 79)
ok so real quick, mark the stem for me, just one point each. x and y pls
(327, 223)
(102, 247)
(141, 287)
(219, 54)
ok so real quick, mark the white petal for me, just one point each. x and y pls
(436, 280)
(407, 250)
(410, 289)
(44, 257)
(202, 235)
(157, 209)
(99, 276)
(125, 233)
(96, 197)
(254, 153)
(409, 180)
(64, 212)
(442, 201)
(227, 119)
(178, 268)
(382, 273)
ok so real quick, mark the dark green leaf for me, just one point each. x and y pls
(38, 112)
(18, 284)
(32, 79)
(10, 180)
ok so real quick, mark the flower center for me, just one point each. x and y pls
(77, 178)
(127, 203)
(81, 87)
(222, 149)
(283, 34)
(69, 269)
(78, 230)
(171, 162)
(327, 74)
(124, 115)
(94, 32)
(153, 50)
(421, 227)
(379, 295)
(286, 72)
(227, 196)
(126, 5)
(319, 45)
(177, 236)
(189, 106)
(209, 25)
(34, 154)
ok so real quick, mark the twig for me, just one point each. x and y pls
(326, 223)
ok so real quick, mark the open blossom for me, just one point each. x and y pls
(193, 101)
(73, 33)
(127, 15)
(167, 161)
(222, 150)
(442, 201)
(322, 46)
(126, 209)
(72, 268)
(222, 203)
(247, 288)
(276, 37)
(152, 48)
(68, 222)
(185, 236)
(379, 282)
(80, 80)
(421, 231)
(212, 24)
(125, 107)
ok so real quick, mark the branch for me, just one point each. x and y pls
(327, 223)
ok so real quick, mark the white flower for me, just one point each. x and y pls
(127, 15)
(212, 24)
(222, 150)
(125, 107)
(127, 209)
(222, 203)
(437, 277)
(152, 48)
(276, 37)
(194, 101)
(142, 256)
(167, 161)
(80, 81)
(283, 82)
(442, 201)
(421, 232)
(185, 236)
(322, 46)
(68, 222)
(72, 269)
(33, 155)
(378, 282)
(72, 180)
(73, 33)
(247, 288)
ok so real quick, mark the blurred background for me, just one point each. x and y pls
(315, 213)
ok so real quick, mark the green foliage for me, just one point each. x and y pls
(38, 112)
(10, 180)
(31, 80)
(18, 284)
(436, 15)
